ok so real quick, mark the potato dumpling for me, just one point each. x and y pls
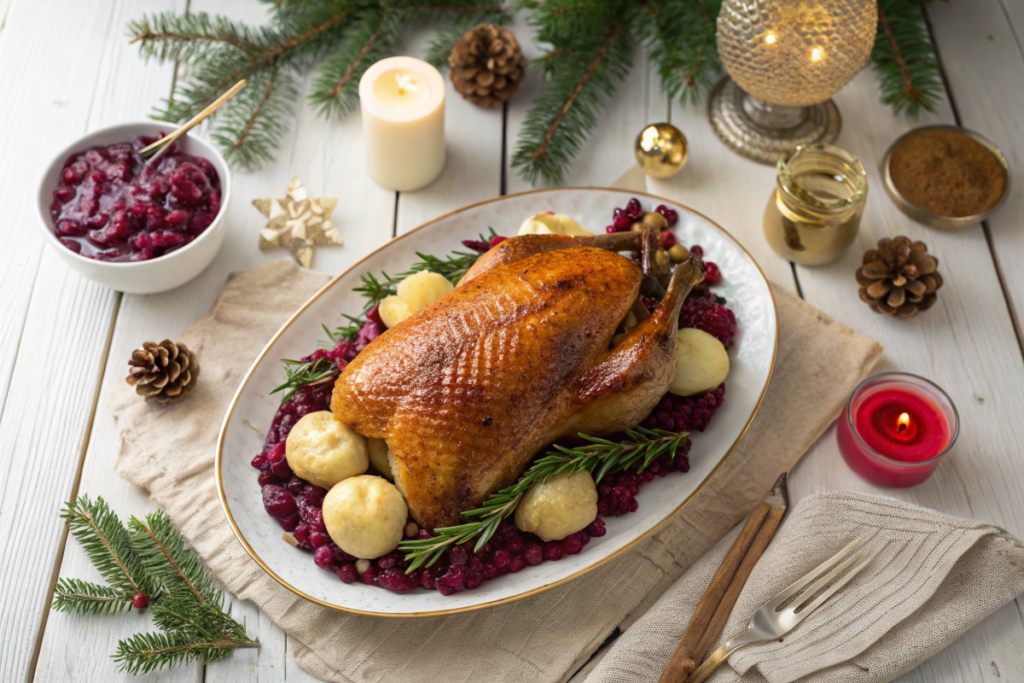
(413, 294)
(558, 507)
(422, 289)
(365, 516)
(323, 451)
(379, 457)
(393, 310)
(702, 363)
(548, 223)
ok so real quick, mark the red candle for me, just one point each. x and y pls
(895, 429)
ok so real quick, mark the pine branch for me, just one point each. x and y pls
(600, 457)
(153, 559)
(681, 39)
(904, 58)
(147, 652)
(167, 558)
(335, 90)
(595, 44)
(82, 597)
(106, 542)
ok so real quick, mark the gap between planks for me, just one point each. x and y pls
(58, 561)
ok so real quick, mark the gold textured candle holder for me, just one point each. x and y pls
(785, 60)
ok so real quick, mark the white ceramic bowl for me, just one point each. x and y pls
(752, 357)
(140, 277)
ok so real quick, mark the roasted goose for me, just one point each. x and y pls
(517, 356)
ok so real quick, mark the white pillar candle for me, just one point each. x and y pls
(402, 103)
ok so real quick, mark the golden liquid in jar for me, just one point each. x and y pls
(814, 214)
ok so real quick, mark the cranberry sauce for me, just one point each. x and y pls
(110, 206)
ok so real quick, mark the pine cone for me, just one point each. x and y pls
(899, 278)
(486, 65)
(164, 372)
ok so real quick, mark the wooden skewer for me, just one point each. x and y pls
(716, 604)
(158, 148)
(683, 662)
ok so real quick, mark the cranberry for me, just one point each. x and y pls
(140, 601)
(473, 580)
(533, 553)
(277, 453)
(315, 519)
(346, 572)
(258, 461)
(318, 538)
(697, 250)
(476, 245)
(622, 223)
(301, 533)
(496, 240)
(515, 543)
(553, 551)
(277, 501)
(475, 564)
(295, 485)
(369, 577)
(458, 555)
(711, 273)
(633, 209)
(489, 570)
(314, 495)
(666, 239)
(455, 577)
(281, 469)
(517, 564)
(584, 537)
(324, 557)
(427, 577)
(596, 528)
(388, 561)
(572, 545)
(502, 557)
(289, 522)
(340, 556)
(396, 580)
(610, 229)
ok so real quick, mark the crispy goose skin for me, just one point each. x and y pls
(469, 389)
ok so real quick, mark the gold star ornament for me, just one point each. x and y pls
(298, 223)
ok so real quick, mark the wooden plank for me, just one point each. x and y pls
(991, 102)
(328, 157)
(53, 348)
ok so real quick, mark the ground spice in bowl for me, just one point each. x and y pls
(947, 173)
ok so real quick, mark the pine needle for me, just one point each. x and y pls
(904, 58)
(167, 558)
(82, 597)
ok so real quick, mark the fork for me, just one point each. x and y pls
(772, 621)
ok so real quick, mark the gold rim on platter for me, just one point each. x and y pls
(552, 584)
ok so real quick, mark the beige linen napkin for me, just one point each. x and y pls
(170, 451)
(931, 577)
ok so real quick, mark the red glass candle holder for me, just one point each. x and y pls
(896, 428)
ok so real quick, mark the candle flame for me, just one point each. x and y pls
(770, 38)
(405, 84)
(817, 54)
(903, 423)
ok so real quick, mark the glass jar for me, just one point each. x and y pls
(814, 213)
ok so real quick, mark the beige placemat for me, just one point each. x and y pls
(930, 578)
(170, 451)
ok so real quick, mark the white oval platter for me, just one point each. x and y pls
(752, 358)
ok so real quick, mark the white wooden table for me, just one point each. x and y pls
(66, 68)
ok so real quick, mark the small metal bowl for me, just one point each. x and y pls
(927, 217)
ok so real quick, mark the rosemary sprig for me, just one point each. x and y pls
(301, 374)
(600, 457)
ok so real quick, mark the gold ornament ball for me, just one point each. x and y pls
(661, 150)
